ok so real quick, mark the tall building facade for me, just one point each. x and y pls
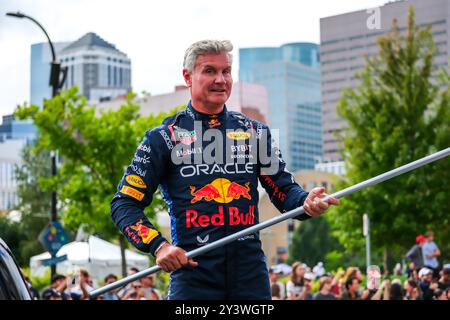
(346, 39)
(10, 157)
(17, 129)
(41, 57)
(97, 67)
(291, 76)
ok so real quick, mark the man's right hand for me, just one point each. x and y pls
(171, 258)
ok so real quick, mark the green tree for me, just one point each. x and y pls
(96, 147)
(399, 113)
(11, 233)
(34, 205)
(312, 241)
(34, 202)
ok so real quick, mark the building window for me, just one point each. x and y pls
(109, 74)
(72, 77)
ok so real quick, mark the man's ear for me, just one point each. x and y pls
(187, 78)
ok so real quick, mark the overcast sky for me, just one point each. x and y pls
(155, 34)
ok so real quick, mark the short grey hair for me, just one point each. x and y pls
(205, 47)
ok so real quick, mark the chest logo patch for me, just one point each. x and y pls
(239, 135)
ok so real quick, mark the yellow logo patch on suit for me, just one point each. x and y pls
(136, 181)
(239, 135)
(132, 192)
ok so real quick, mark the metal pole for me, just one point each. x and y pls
(55, 84)
(366, 231)
(290, 214)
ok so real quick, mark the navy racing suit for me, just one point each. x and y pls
(207, 200)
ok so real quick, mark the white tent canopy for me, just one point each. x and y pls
(98, 256)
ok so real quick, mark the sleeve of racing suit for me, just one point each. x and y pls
(279, 183)
(136, 189)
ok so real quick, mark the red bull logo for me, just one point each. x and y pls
(195, 220)
(146, 234)
(214, 123)
(221, 190)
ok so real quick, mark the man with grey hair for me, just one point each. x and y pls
(207, 161)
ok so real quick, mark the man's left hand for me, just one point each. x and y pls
(313, 204)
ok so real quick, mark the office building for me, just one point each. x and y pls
(10, 157)
(17, 129)
(347, 38)
(97, 67)
(41, 57)
(291, 76)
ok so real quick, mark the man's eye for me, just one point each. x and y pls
(209, 71)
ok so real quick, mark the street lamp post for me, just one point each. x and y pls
(366, 233)
(56, 82)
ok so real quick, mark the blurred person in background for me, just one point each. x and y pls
(135, 292)
(372, 283)
(307, 288)
(430, 253)
(51, 294)
(351, 291)
(324, 289)
(111, 295)
(148, 286)
(295, 285)
(274, 275)
(383, 291)
(353, 272)
(412, 290)
(415, 254)
(338, 283)
(276, 294)
(83, 285)
(318, 270)
(440, 294)
(123, 292)
(426, 283)
(396, 291)
(61, 283)
(444, 280)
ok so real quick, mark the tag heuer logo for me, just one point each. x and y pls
(187, 137)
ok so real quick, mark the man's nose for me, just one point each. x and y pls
(220, 78)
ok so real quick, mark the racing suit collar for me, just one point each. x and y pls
(213, 120)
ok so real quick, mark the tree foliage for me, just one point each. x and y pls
(95, 147)
(312, 241)
(399, 113)
(34, 202)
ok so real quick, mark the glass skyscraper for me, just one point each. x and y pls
(291, 75)
(41, 57)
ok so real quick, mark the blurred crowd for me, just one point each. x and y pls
(350, 284)
(79, 286)
(422, 279)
